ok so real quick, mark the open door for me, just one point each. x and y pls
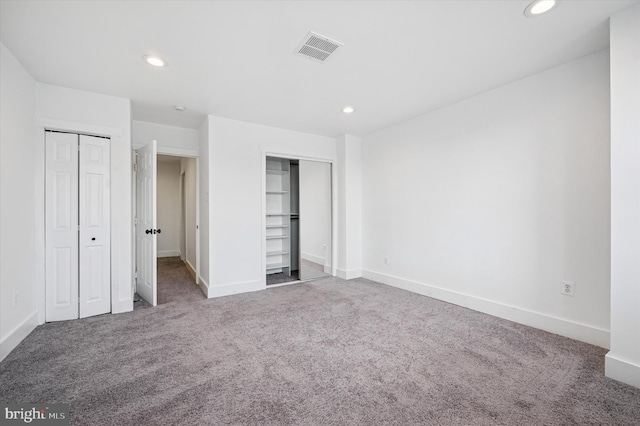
(146, 244)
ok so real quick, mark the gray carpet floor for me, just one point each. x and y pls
(327, 352)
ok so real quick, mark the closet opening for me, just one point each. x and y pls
(298, 223)
(77, 225)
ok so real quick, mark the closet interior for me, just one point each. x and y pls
(298, 220)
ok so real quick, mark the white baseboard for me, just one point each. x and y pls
(204, 286)
(190, 268)
(313, 258)
(168, 253)
(18, 334)
(573, 330)
(621, 370)
(234, 288)
(350, 274)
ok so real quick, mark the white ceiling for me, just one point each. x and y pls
(235, 58)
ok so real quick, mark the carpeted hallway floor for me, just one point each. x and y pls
(328, 352)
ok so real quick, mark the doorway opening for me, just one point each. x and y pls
(166, 227)
(176, 216)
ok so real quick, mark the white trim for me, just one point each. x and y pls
(204, 286)
(234, 288)
(190, 267)
(75, 127)
(197, 268)
(18, 334)
(178, 152)
(168, 253)
(350, 274)
(564, 327)
(622, 370)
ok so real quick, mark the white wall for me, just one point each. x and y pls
(171, 140)
(623, 361)
(204, 138)
(236, 167)
(349, 174)
(19, 278)
(492, 202)
(168, 207)
(60, 108)
(315, 211)
(188, 165)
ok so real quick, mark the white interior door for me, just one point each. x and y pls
(94, 236)
(146, 244)
(61, 204)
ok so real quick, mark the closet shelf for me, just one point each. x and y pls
(278, 214)
(277, 192)
(277, 253)
(277, 226)
(277, 237)
(277, 265)
(277, 172)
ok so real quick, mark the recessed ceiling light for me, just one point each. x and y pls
(154, 60)
(180, 108)
(348, 109)
(538, 7)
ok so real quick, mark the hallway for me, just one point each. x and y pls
(175, 284)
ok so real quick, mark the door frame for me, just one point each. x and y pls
(42, 125)
(176, 153)
(305, 156)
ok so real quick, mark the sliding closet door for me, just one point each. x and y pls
(61, 203)
(315, 219)
(94, 237)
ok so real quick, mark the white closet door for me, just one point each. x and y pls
(146, 248)
(61, 204)
(94, 208)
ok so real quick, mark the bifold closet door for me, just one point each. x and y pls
(61, 223)
(78, 255)
(95, 226)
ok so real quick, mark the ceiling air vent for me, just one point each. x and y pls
(317, 47)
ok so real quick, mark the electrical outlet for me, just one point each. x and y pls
(324, 247)
(568, 288)
(386, 260)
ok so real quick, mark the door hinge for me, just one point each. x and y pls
(135, 220)
(135, 167)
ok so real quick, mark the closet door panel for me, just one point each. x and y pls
(61, 227)
(95, 239)
(315, 219)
